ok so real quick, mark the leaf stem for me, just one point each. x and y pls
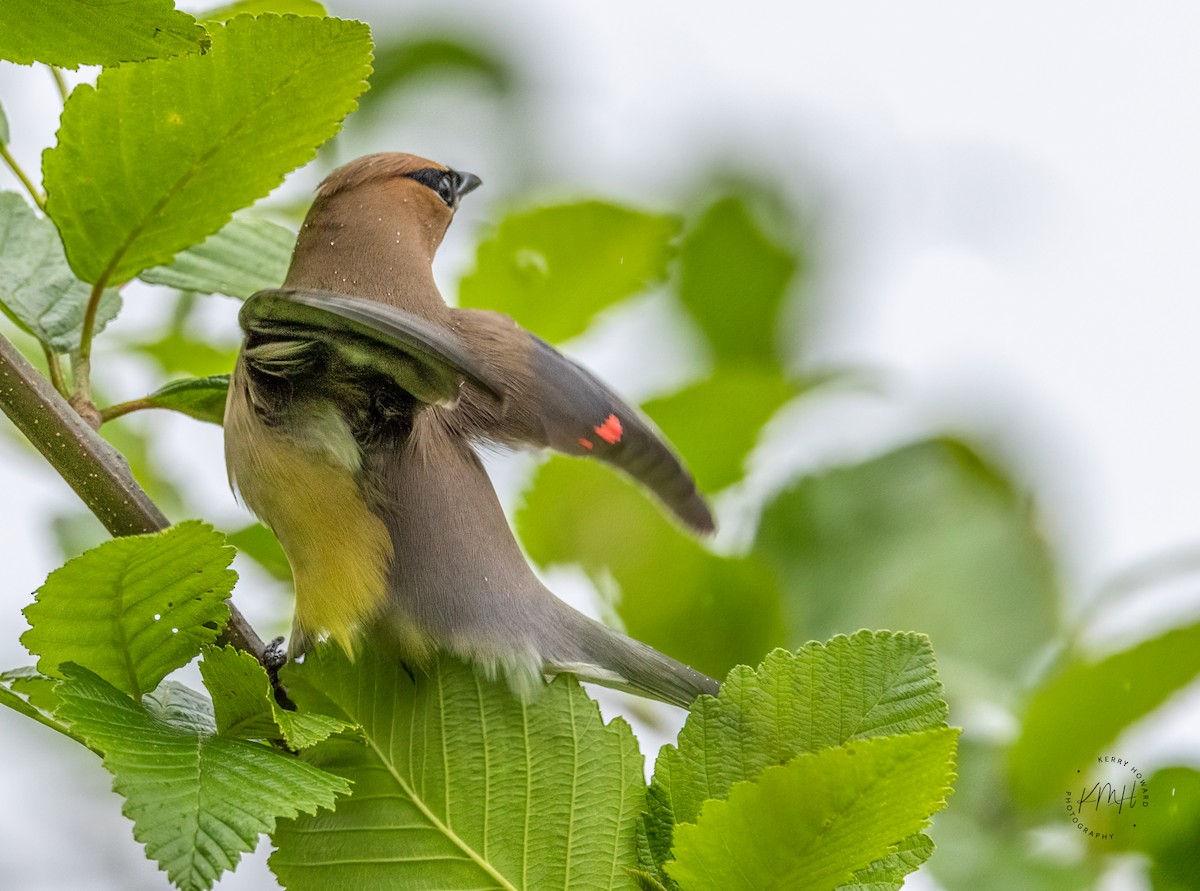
(82, 364)
(38, 198)
(55, 368)
(123, 408)
(96, 471)
(60, 82)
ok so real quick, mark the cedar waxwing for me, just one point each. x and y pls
(349, 430)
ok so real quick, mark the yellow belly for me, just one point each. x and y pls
(303, 487)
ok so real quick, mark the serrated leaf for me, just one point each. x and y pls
(38, 291)
(717, 422)
(868, 685)
(709, 611)
(928, 537)
(197, 802)
(258, 7)
(888, 872)
(810, 824)
(1079, 709)
(177, 145)
(554, 268)
(134, 608)
(458, 784)
(260, 544)
(181, 707)
(202, 398)
(243, 257)
(245, 705)
(733, 278)
(70, 33)
(33, 685)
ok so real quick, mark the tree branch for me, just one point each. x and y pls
(96, 471)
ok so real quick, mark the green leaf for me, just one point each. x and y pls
(202, 398)
(176, 352)
(34, 685)
(869, 685)
(260, 544)
(70, 33)
(258, 7)
(554, 268)
(38, 291)
(709, 611)
(176, 146)
(1077, 711)
(927, 537)
(459, 784)
(733, 279)
(1167, 828)
(888, 872)
(716, 423)
(810, 824)
(243, 257)
(412, 61)
(134, 608)
(197, 801)
(182, 707)
(245, 705)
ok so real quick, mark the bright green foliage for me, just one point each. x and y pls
(554, 268)
(733, 279)
(201, 137)
(459, 784)
(716, 423)
(35, 686)
(411, 61)
(70, 33)
(181, 706)
(675, 595)
(245, 705)
(134, 608)
(258, 7)
(809, 824)
(825, 695)
(202, 398)
(245, 256)
(197, 801)
(1167, 829)
(1082, 707)
(926, 537)
(38, 291)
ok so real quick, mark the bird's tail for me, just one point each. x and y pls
(611, 659)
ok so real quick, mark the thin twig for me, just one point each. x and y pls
(55, 368)
(81, 367)
(94, 469)
(60, 82)
(123, 408)
(38, 198)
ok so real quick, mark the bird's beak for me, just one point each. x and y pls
(467, 182)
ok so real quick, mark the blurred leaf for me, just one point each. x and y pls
(70, 33)
(260, 544)
(709, 611)
(1076, 712)
(1167, 829)
(554, 268)
(460, 784)
(927, 537)
(410, 62)
(179, 353)
(258, 7)
(135, 608)
(202, 398)
(245, 704)
(180, 706)
(38, 291)
(135, 443)
(245, 256)
(33, 685)
(716, 423)
(811, 823)
(4, 134)
(198, 138)
(851, 688)
(197, 801)
(733, 279)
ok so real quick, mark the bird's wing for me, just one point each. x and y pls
(582, 416)
(284, 326)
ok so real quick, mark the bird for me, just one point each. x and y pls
(356, 409)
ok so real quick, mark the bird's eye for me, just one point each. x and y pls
(447, 189)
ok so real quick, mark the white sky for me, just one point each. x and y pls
(1012, 203)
